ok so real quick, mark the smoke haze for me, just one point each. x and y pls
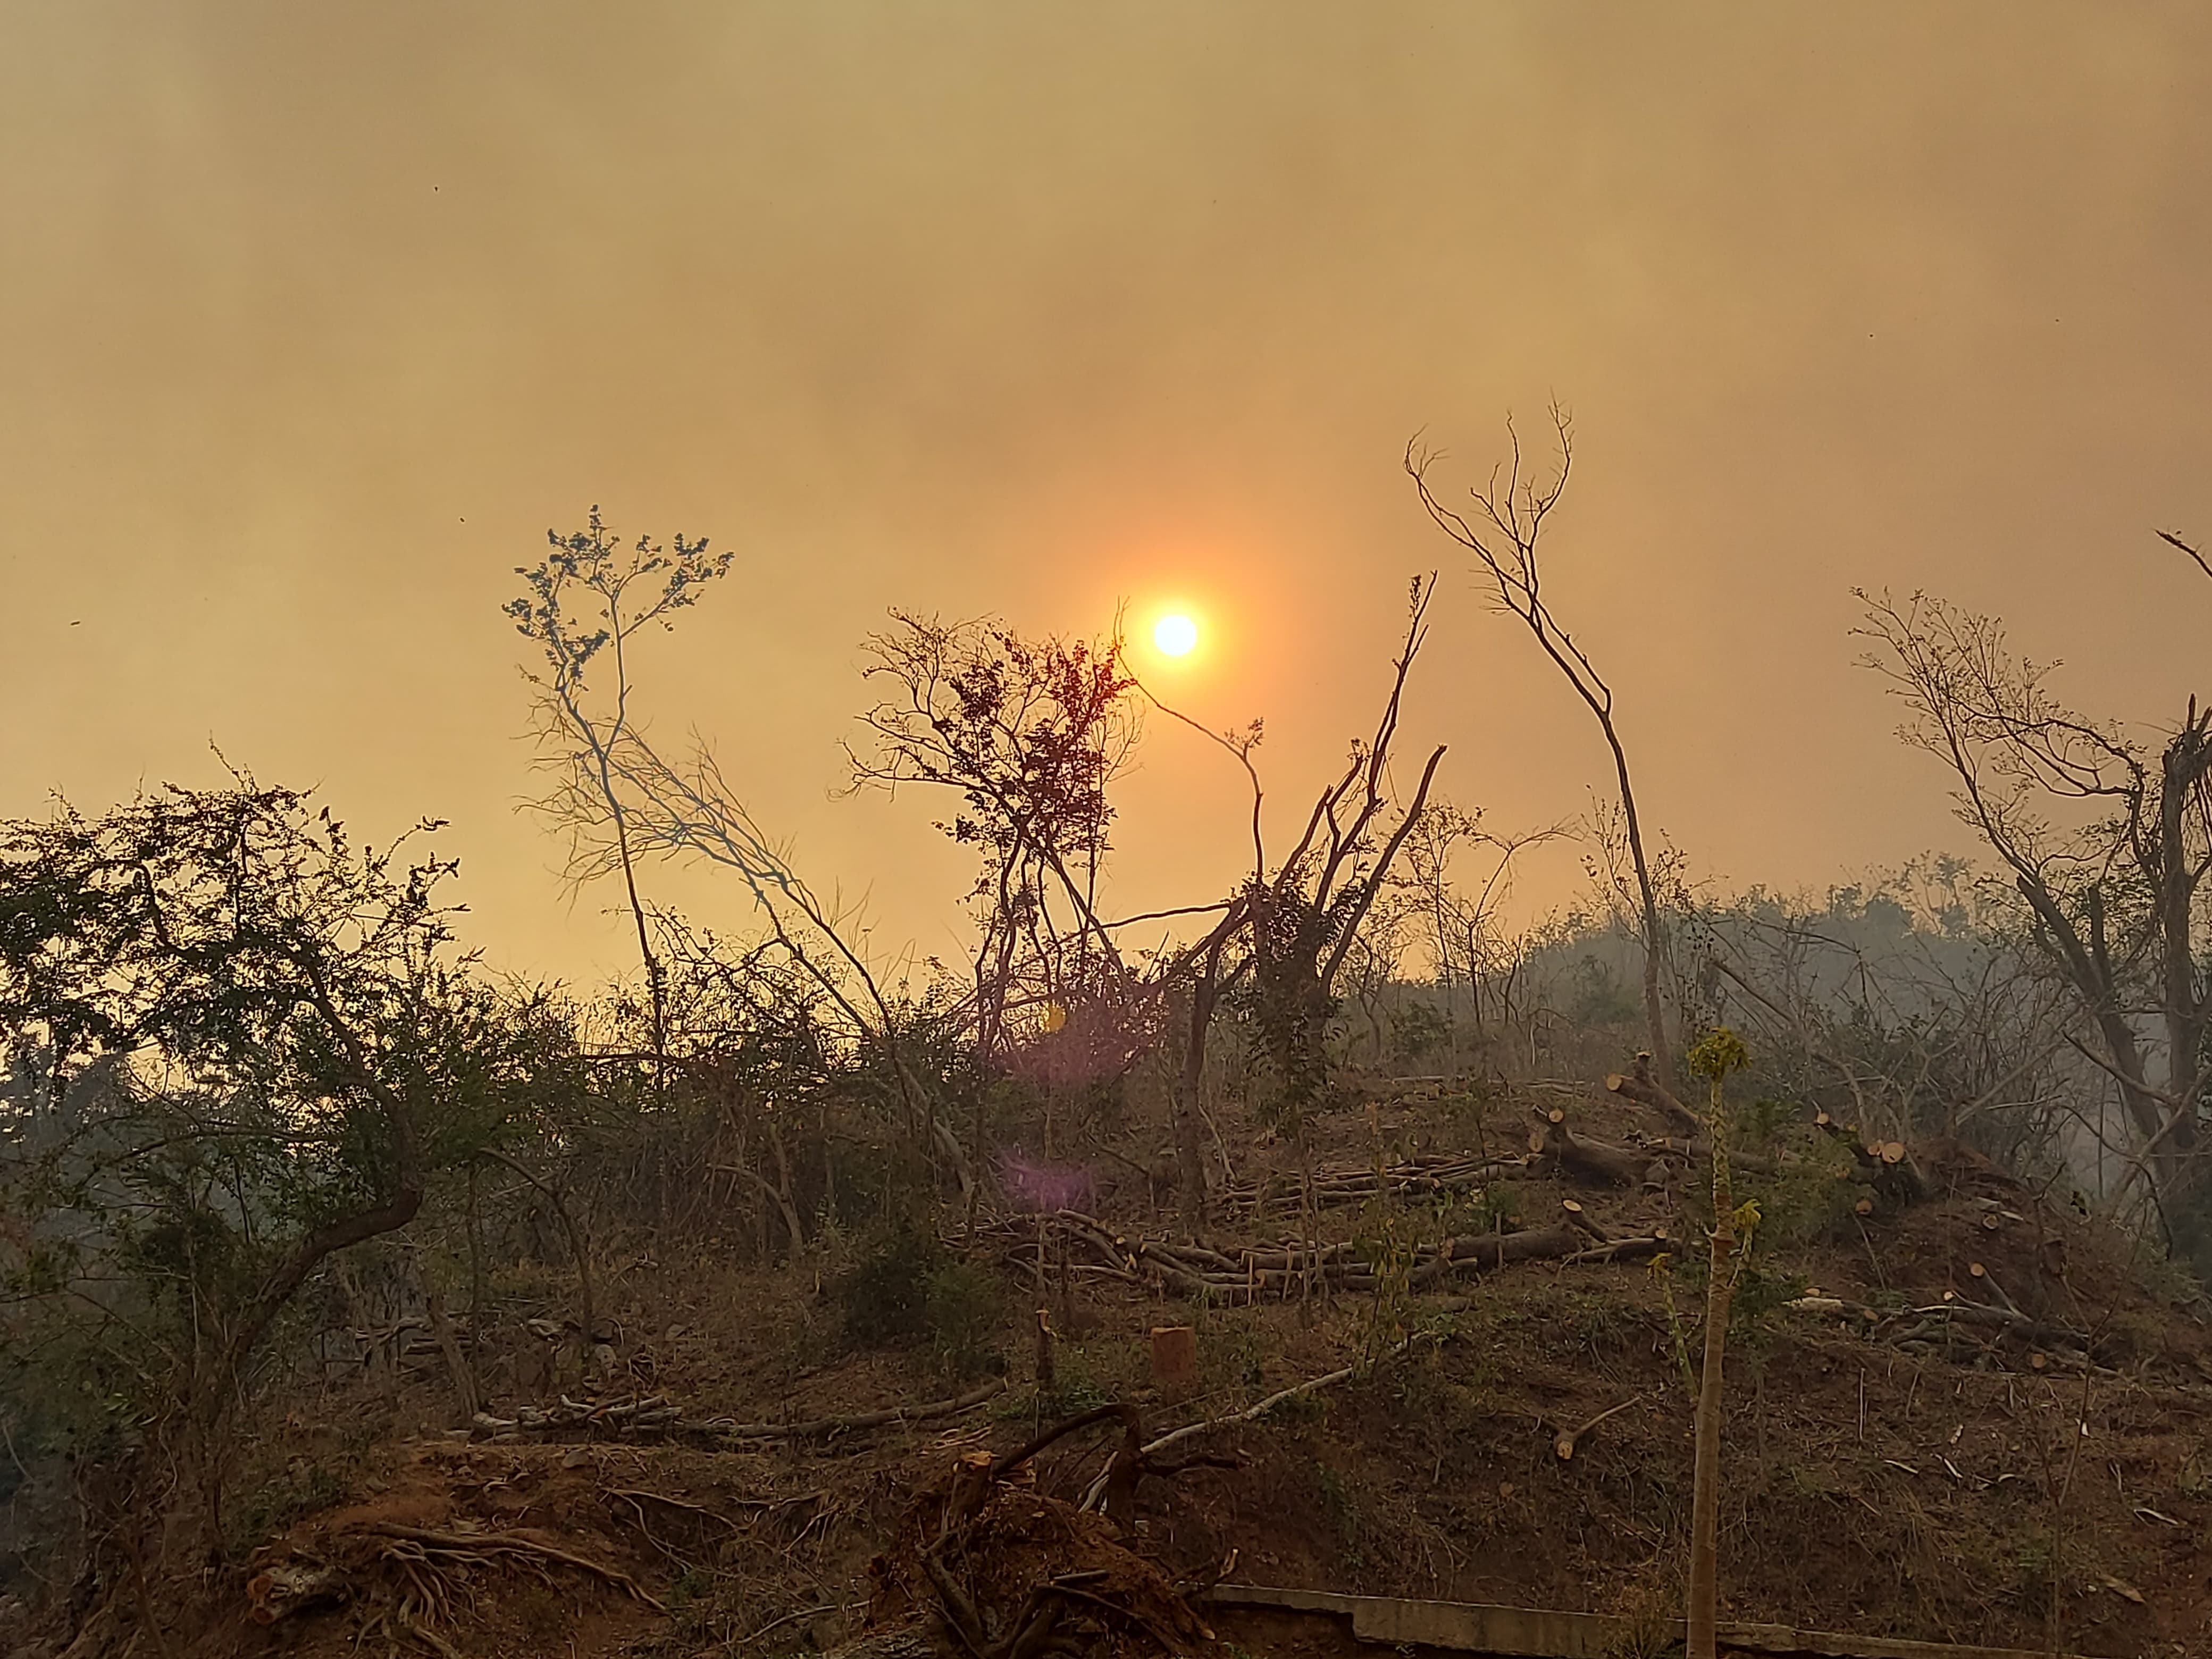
(314, 319)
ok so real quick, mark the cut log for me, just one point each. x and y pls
(1579, 1218)
(1887, 1165)
(1638, 1085)
(1592, 1161)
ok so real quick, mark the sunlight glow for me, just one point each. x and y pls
(1175, 635)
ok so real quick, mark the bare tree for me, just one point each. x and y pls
(1299, 920)
(1512, 516)
(1464, 941)
(581, 734)
(2108, 846)
(618, 796)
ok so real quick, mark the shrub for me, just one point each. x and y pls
(963, 1310)
(886, 1298)
(908, 1287)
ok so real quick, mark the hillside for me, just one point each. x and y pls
(1901, 1461)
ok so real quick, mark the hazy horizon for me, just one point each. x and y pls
(315, 322)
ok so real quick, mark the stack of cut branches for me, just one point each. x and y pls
(1247, 1275)
(1965, 1332)
(639, 1414)
(1355, 1184)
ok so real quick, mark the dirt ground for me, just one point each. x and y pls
(1942, 1486)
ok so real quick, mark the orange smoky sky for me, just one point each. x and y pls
(314, 318)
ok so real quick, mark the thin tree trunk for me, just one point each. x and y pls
(466, 1395)
(2181, 773)
(1190, 1154)
(1706, 1488)
(475, 1267)
(1655, 1014)
(656, 987)
(1706, 1499)
(579, 1250)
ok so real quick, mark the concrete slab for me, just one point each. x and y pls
(1501, 1632)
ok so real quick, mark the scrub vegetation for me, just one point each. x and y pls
(1324, 1232)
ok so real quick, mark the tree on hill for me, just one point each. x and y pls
(239, 1044)
(2108, 843)
(1505, 535)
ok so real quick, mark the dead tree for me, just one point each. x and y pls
(1505, 543)
(1297, 917)
(2112, 897)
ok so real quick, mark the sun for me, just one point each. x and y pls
(1174, 634)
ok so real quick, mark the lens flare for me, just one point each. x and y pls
(1175, 635)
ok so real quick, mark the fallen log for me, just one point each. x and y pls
(2008, 1321)
(1623, 1249)
(1259, 1408)
(1907, 1325)
(1479, 1251)
(1591, 1161)
(655, 1416)
(1638, 1085)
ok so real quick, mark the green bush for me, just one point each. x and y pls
(885, 1298)
(963, 1310)
(908, 1287)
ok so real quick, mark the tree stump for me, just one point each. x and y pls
(1175, 1360)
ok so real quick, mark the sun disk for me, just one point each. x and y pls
(1175, 635)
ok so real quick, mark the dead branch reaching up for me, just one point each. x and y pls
(1504, 533)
